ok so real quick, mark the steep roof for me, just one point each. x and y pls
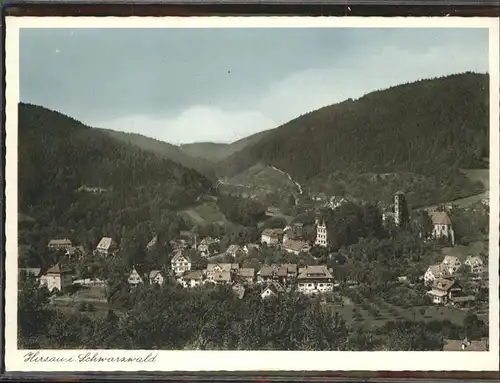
(222, 266)
(475, 260)
(450, 260)
(438, 270)
(267, 271)
(275, 288)
(222, 276)
(60, 242)
(294, 245)
(440, 218)
(59, 269)
(154, 273)
(443, 284)
(194, 274)
(105, 243)
(272, 232)
(179, 255)
(311, 272)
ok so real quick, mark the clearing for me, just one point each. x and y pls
(204, 213)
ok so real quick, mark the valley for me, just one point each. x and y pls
(328, 220)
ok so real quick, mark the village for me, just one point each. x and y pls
(442, 281)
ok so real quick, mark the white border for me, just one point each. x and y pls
(247, 360)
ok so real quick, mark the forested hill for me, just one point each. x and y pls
(120, 185)
(169, 151)
(217, 151)
(425, 127)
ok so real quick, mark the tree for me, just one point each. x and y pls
(33, 312)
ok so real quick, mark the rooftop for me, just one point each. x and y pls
(440, 218)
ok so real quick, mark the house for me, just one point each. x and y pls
(266, 274)
(156, 277)
(59, 244)
(451, 263)
(193, 278)
(246, 275)
(271, 237)
(466, 345)
(58, 278)
(475, 264)
(295, 247)
(134, 279)
(287, 273)
(321, 234)
(435, 272)
(106, 247)
(221, 272)
(442, 228)
(206, 244)
(271, 289)
(238, 290)
(314, 279)
(443, 290)
(222, 277)
(273, 211)
(234, 251)
(180, 263)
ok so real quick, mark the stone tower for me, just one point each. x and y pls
(321, 235)
(401, 214)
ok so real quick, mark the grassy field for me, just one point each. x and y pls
(91, 296)
(479, 175)
(461, 251)
(376, 313)
(204, 213)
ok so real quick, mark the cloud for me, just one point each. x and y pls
(195, 124)
(294, 94)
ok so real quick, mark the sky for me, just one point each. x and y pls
(188, 85)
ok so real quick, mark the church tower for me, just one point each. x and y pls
(321, 235)
(401, 214)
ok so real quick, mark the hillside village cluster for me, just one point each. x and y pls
(444, 287)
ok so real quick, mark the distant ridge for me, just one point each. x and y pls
(425, 127)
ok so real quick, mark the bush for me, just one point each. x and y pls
(82, 306)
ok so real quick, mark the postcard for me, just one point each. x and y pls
(252, 194)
